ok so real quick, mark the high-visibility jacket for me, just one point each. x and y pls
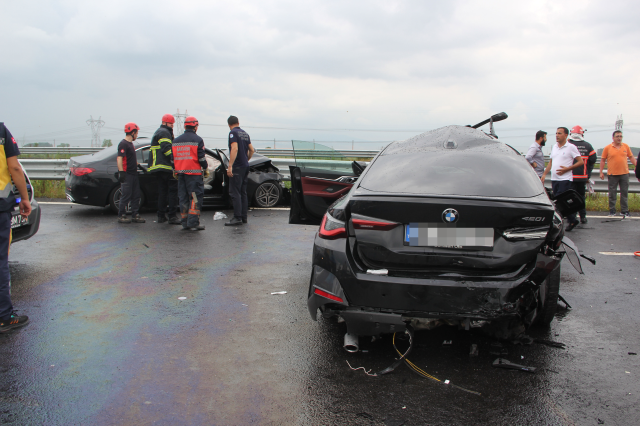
(8, 148)
(589, 157)
(160, 155)
(188, 153)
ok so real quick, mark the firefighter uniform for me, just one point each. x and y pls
(188, 162)
(161, 164)
(582, 175)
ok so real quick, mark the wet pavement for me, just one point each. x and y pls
(110, 343)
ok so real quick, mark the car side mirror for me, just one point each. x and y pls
(569, 202)
(358, 167)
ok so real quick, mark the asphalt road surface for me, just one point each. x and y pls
(110, 343)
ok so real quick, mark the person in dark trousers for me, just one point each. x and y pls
(9, 169)
(128, 176)
(583, 174)
(188, 162)
(161, 165)
(616, 155)
(563, 159)
(240, 152)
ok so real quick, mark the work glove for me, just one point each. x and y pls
(175, 175)
(206, 173)
(122, 176)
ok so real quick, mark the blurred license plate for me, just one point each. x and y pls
(18, 220)
(436, 235)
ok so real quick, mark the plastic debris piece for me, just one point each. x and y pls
(632, 353)
(628, 372)
(244, 305)
(508, 365)
(182, 298)
(521, 357)
(447, 342)
(550, 343)
(145, 245)
(219, 215)
(446, 382)
(364, 351)
(378, 271)
(474, 350)
(279, 292)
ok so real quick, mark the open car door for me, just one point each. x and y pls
(320, 177)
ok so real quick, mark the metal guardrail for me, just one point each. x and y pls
(56, 169)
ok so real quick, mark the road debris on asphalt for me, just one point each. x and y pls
(145, 245)
(219, 215)
(447, 342)
(550, 343)
(508, 365)
(182, 298)
(474, 350)
(279, 292)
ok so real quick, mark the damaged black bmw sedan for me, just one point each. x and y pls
(449, 227)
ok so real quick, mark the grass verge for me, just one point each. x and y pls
(48, 188)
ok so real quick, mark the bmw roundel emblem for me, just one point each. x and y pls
(450, 216)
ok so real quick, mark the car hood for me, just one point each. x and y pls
(256, 159)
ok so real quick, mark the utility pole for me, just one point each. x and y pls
(178, 127)
(619, 122)
(95, 130)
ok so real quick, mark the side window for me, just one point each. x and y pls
(143, 155)
(313, 155)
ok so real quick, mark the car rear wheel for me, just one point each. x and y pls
(268, 194)
(114, 200)
(550, 307)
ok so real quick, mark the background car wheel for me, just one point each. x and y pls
(114, 200)
(550, 308)
(268, 194)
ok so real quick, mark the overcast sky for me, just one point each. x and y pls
(361, 66)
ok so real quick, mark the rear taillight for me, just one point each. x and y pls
(327, 295)
(374, 225)
(81, 171)
(331, 228)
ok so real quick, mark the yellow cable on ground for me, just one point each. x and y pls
(425, 374)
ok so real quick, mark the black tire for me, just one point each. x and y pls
(268, 194)
(114, 199)
(552, 290)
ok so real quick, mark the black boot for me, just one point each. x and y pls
(234, 222)
(173, 220)
(162, 218)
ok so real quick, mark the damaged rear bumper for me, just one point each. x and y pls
(374, 304)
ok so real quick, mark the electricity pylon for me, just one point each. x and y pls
(95, 130)
(178, 127)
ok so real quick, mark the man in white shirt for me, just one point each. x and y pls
(561, 164)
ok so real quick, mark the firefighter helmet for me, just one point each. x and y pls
(168, 118)
(577, 129)
(130, 127)
(191, 121)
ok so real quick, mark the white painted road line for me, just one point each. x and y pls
(616, 253)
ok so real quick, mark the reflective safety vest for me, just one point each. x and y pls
(188, 153)
(160, 150)
(589, 157)
(7, 198)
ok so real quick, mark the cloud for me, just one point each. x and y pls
(391, 64)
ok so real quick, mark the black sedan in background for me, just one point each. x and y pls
(21, 228)
(92, 179)
(449, 227)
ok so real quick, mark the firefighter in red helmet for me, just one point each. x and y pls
(128, 175)
(161, 165)
(581, 175)
(188, 164)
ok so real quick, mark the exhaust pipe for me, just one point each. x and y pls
(351, 343)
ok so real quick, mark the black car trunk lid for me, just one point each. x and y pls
(446, 235)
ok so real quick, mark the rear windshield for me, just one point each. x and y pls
(104, 153)
(454, 172)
